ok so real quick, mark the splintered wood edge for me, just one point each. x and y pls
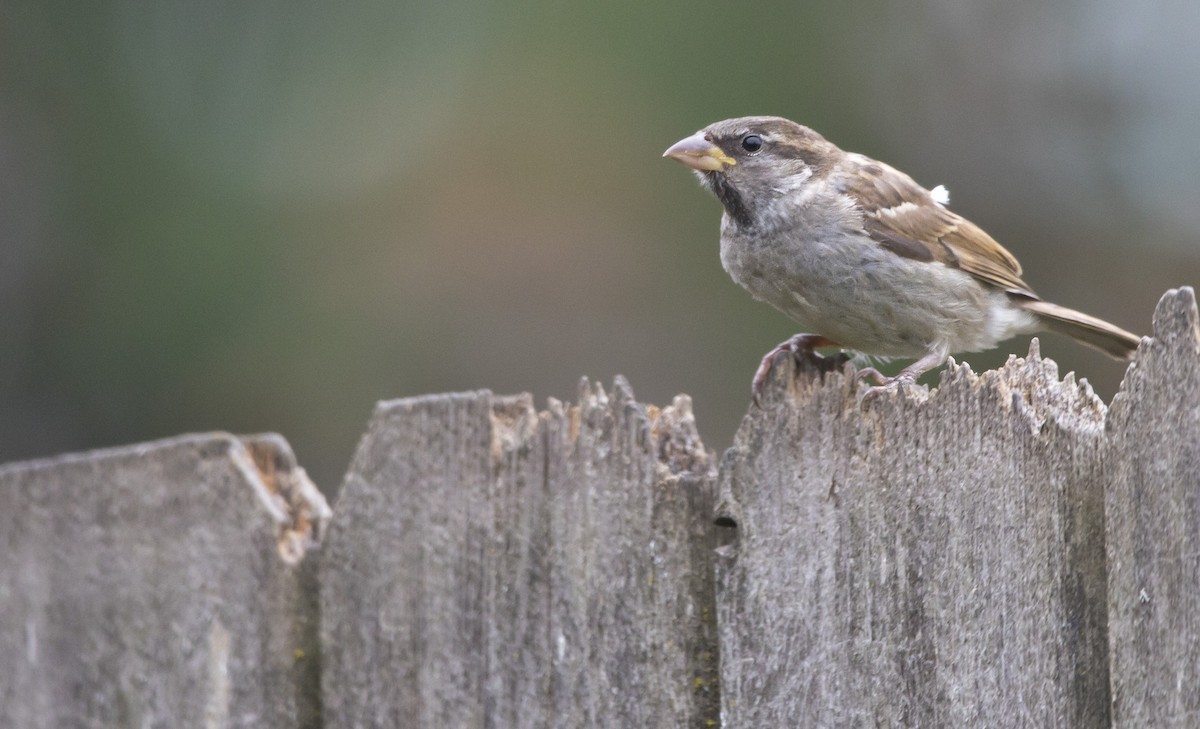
(289, 499)
(672, 437)
(1176, 339)
(307, 511)
(671, 433)
(1030, 385)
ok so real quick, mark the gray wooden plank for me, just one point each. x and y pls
(1153, 517)
(916, 559)
(492, 566)
(159, 585)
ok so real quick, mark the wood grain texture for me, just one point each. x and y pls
(916, 559)
(1153, 515)
(1001, 552)
(159, 585)
(493, 566)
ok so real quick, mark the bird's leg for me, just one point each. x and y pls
(909, 374)
(801, 347)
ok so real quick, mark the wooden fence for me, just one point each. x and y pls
(1003, 551)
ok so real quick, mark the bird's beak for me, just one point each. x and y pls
(699, 154)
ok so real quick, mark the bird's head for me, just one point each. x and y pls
(752, 162)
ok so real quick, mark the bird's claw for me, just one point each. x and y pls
(874, 375)
(883, 383)
(801, 348)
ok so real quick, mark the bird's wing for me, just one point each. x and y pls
(906, 219)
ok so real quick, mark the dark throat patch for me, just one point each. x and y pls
(730, 198)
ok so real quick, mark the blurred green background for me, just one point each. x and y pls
(268, 216)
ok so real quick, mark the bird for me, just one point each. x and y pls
(863, 256)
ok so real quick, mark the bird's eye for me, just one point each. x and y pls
(752, 142)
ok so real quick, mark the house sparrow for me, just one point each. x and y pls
(863, 255)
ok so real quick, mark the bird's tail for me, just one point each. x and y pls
(1110, 339)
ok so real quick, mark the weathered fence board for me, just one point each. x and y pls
(999, 552)
(916, 561)
(1153, 515)
(149, 586)
(491, 566)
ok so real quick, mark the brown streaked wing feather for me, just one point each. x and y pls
(981, 256)
(906, 220)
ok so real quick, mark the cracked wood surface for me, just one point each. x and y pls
(1001, 551)
(491, 565)
(147, 586)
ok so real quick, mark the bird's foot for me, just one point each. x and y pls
(874, 375)
(801, 348)
(907, 376)
(883, 382)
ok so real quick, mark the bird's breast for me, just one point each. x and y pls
(845, 286)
